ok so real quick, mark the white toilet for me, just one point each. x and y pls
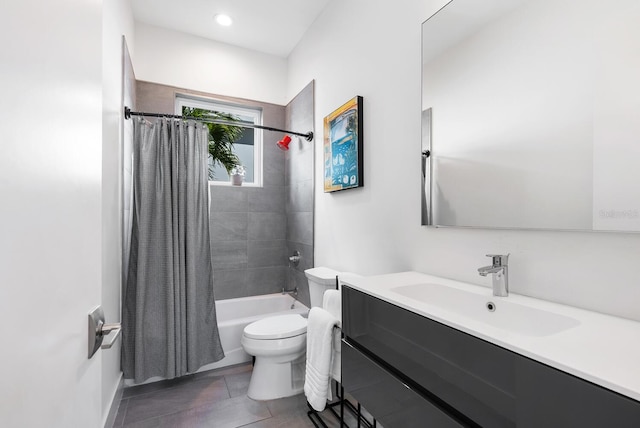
(279, 344)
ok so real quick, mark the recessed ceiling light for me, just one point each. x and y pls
(224, 20)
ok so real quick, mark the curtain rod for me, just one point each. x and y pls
(128, 113)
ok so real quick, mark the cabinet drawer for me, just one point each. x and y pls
(548, 397)
(391, 402)
(473, 376)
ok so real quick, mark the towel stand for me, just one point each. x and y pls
(341, 402)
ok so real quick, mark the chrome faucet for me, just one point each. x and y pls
(500, 271)
(293, 292)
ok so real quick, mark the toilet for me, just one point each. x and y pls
(279, 344)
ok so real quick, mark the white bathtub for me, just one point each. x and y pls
(235, 314)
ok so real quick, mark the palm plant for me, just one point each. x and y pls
(221, 137)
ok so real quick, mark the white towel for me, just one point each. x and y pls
(332, 303)
(317, 384)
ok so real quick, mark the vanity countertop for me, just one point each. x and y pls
(602, 349)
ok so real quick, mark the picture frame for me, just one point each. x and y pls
(342, 148)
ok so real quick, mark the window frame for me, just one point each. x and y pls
(184, 100)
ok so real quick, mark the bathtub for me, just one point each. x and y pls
(235, 314)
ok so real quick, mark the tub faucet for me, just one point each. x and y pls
(500, 270)
(293, 293)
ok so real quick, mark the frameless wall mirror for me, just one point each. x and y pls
(533, 114)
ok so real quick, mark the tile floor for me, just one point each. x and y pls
(217, 398)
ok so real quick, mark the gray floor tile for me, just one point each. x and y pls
(196, 392)
(122, 411)
(215, 398)
(238, 383)
(283, 406)
(224, 371)
(295, 421)
(246, 367)
(231, 413)
(133, 391)
(290, 411)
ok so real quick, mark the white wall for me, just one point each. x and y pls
(117, 21)
(50, 190)
(373, 50)
(178, 59)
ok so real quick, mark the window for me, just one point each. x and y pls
(248, 148)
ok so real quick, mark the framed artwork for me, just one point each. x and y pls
(343, 147)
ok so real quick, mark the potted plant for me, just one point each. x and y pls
(237, 175)
(221, 138)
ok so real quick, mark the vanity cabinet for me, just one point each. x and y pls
(408, 370)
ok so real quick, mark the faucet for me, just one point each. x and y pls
(293, 292)
(500, 270)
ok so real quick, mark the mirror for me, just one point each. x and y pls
(533, 114)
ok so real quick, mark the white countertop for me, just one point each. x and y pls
(602, 349)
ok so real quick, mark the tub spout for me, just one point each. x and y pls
(293, 292)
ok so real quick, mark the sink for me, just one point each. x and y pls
(485, 308)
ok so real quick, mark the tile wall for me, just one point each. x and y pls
(299, 189)
(248, 224)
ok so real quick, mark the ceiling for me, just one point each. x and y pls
(270, 26)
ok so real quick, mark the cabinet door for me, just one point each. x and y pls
(548, 397)
(391, 402)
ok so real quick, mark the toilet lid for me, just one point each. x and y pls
(277, 327)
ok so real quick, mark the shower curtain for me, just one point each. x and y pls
(169, 320)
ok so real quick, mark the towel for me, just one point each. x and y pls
(332, 303)
(317, 384)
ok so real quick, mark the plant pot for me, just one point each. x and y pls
(236, 180)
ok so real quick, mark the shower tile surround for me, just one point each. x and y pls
(254, 230)
(299, 188)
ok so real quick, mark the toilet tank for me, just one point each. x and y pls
(320, 279)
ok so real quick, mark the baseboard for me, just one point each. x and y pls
(115, 404)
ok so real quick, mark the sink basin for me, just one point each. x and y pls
(497, 312)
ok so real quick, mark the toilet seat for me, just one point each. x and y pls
(276, 327)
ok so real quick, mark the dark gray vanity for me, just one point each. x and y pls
(411, 371)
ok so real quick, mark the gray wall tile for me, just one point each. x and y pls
(229, 199)
(229, 254)
(266, 280)
(266, 226)
(228, 226)
(300, 160)
(266, 199)
(267, 253)
(230, 283)
(299, 196)
(273, 170)
(154, 98)
(300, 227)
(299, 192)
